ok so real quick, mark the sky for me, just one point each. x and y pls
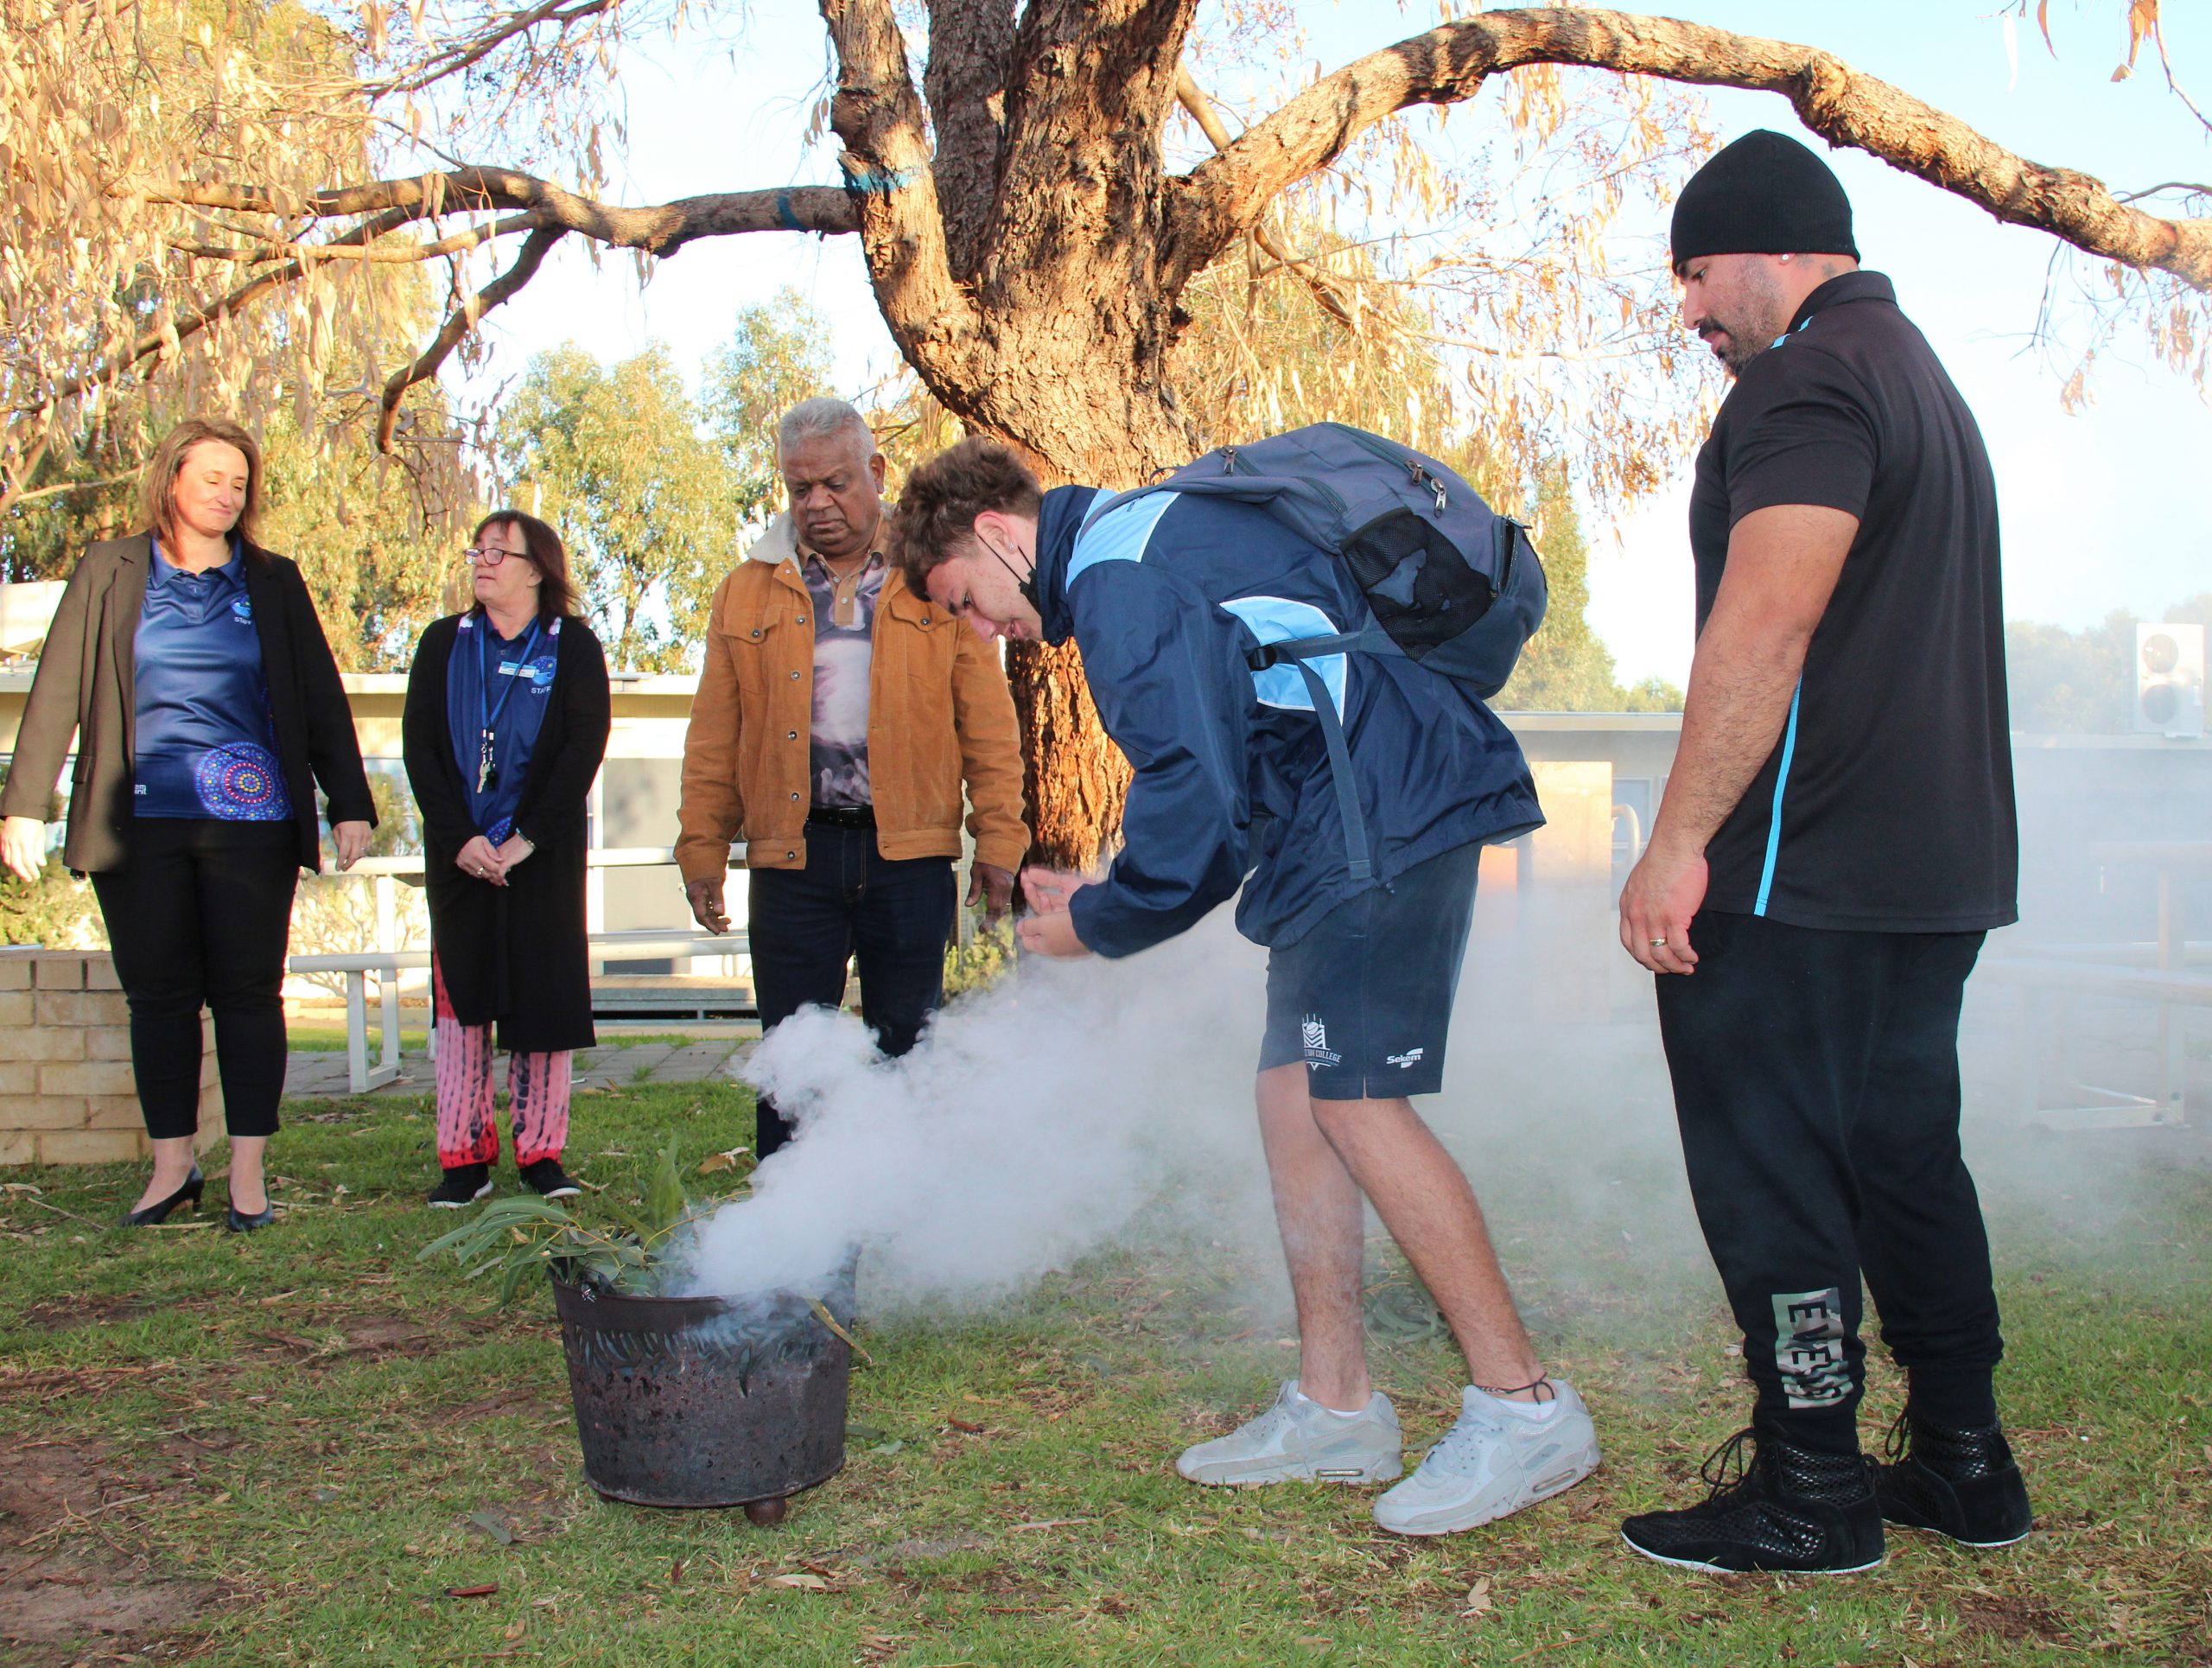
(2102, 509)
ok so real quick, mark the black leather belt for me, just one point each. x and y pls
(842, 815)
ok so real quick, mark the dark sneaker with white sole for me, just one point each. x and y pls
(462, 1185)
(545, 1178)
(1790, 1510)
(1963, 1484)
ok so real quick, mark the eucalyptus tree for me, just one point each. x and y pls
(1032, 210)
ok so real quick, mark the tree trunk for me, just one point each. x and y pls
(1072, 775)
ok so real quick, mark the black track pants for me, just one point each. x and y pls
(1816, 1081)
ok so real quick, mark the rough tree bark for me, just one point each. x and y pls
(1029, 254)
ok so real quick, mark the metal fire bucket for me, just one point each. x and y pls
(707, 1401)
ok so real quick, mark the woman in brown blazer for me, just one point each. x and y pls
(190, 665)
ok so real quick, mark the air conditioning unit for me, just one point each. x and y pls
(2170, 680)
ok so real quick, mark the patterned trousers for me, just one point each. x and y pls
(538, 1089)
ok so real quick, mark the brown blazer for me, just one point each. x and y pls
(938, 712)
(84, 687)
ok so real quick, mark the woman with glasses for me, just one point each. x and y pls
(190, 665)
(505, 727)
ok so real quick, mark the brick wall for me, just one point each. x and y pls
(66, 1090)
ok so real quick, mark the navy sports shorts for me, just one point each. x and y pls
(1364, 999)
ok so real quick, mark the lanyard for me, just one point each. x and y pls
(488, 709)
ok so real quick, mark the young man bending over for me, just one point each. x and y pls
(1164, 595)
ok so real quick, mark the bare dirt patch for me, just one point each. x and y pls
(2014, 1619)
(67, 1315)
(65, 1599)
(50, 1589)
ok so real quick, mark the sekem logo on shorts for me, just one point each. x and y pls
(1405, 1061)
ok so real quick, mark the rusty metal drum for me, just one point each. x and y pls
(707, 1401)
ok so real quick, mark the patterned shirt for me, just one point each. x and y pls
(844, 625)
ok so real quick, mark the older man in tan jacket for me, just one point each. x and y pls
(837, 717)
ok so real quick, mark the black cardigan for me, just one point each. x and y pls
(86, 685)
(515, 954)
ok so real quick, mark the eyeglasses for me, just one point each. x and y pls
(488, 555)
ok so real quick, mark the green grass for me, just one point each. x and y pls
(318, 1428)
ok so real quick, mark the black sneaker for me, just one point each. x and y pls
(464, 1184)
(1791, 1509)
(1964, 1484)
(545, 1177)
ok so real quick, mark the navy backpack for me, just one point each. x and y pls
(1453, 586)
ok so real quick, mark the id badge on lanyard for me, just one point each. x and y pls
(488, 711)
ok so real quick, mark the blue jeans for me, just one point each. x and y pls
(808, 924)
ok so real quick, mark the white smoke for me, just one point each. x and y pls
(1039, 1120)
(1034, 1121)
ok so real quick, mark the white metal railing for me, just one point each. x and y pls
(388, 962)
(1627, 813)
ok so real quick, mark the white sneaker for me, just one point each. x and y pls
(1491, 1464)
(1297, 1440)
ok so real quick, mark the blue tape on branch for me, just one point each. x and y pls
(866, 181)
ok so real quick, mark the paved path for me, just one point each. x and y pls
(697, 1059)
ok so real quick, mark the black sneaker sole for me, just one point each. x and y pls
(561, 1193)
(483, 1191)
(1723, 1569)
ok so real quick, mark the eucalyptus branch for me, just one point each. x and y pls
(1221, 197)
(462, 54)
(1200, 110)
(162, 338)
(393, 254)
(458, 323)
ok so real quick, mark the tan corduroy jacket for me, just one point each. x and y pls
(938, 713)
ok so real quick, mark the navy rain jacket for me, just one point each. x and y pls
(1164, 596)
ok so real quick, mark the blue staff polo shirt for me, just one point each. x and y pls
(206, 742)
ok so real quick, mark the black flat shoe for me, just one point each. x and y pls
(237, 1221)
(195, 1185)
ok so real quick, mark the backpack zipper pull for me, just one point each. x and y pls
(1422, 477)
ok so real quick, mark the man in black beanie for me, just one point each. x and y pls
(1836, 838)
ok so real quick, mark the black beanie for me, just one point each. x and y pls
(1765, 195)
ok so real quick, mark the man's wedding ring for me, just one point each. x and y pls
(1656, 944)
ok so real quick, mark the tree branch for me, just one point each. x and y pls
(394, 254)
(153, 341)
(1201, 111)
(878, 115)
(660, 230)
(1222, 197)
(462, 54)
(458, 323)
(970, 42)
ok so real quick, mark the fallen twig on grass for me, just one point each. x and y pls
(71, 1519)
(72, 1215)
